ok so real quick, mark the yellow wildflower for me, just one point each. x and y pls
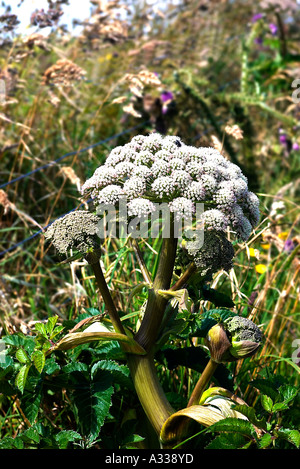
(283, 235)
(260, 268)
(254, 253)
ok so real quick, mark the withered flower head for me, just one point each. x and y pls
(63, 73)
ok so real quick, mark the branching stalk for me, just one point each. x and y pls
(102, 285)
(202, 382)
(156, 304)
(149, 390)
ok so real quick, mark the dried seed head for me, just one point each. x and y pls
(63, 73)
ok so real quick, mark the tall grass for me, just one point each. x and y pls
(198, 54)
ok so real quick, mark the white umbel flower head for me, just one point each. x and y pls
(157, 169)
(182, 208)
(140, 207)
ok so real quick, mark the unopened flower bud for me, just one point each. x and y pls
(246, 337)
(235, 338)
(219, 344)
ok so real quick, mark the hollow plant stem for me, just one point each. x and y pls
(150, 326)
(185, 277)
(202, 382)
(149, 390)
(102, 285)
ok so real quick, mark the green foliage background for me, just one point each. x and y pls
(222, 69)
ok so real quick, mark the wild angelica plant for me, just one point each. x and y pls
(137, 179)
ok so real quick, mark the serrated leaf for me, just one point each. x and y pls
(39, 359)
(266, 402)
(30, 403)
(293, 436)
(288, 392)
(7, 442)
(21, 377)
(52, 320)
(265, 441)
(265, 387)
(75, 366)
(64, 437)
(109, 365)
(279, 406)
(5, 360)
(41, 328)
(224, 441)
(22, 356)
(18, 442)
(56, 331)
(32, 434)
(51, 366)
(92, 398)
(241, 426)
(249, 412)
(209, 318)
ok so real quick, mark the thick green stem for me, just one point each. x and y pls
(149, 329)
(101, 282)
(142, 368)
(185, 277)
(202, 382)
(149, 391)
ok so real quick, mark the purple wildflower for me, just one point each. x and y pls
(296, 146)
(288, 246)
(282, 138)
(273, 28)
(256, 17)
(166, 96)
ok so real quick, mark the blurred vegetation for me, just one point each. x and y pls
(220, 64)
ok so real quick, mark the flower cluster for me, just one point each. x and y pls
(214, 254)
(156, 169)
(76, 230)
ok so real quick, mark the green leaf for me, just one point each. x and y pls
(266, 402)
(31, 434)
(293, 436)
(120, 373)
(7, 442)
(65, 437)
(21, 377)
(266, 387)
(92, 398)
(265, 441)
(51, 324)
(209, 318)
(5, 360)
(41, 328)
(225, 441)
(30, 403)
(39, 359)
(51, 366)
(234, 425)
(288, 392)
(217, 298)
(22, 356)
(249, 412)
(18, 442)
(279, 406)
